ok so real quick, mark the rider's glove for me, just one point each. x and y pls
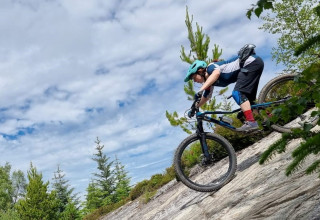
(197, 96)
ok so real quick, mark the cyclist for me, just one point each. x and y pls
(244, 72)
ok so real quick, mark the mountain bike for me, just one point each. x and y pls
(212, 155)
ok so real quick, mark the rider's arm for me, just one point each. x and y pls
(211, 79)
(202, 101)
(205, 96)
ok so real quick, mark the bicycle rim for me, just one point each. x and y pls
(279, 88)
(196, 172)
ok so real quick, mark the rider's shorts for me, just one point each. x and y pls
(248, 79)
(239, 97)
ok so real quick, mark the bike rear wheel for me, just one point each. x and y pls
(279, 88)
(196, 172)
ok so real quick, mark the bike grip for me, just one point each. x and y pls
(190, 114)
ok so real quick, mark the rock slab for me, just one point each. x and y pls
(257, 192)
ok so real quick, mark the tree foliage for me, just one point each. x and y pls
(312, 41)
(199, 44)
(9, 214)
(295, 23)
(310, 144)
(122, 181)
(93, 197)
(199, 47)
(104, 177)
(6, 189)
(99, 191)
(71, 211)
(19, 185)
(68, 201)
(38, 202)
(258, 8)
(311, 140)
(110, 184)
(12, 187)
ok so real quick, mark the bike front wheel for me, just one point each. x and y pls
(200, 173)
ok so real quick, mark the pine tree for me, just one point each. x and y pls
(6, 190)
(104, 177)
(199, 43)
(122, 180)
(38, 202)
(71, 212)
(100, 190)
(64, 192)
(94, 197)
(199, 47)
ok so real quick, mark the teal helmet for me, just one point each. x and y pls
(197, 64)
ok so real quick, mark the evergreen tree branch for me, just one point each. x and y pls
(278, 147)
(271, 151)
(307, 45)
(314, 167)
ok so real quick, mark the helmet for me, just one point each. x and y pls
(197, 64)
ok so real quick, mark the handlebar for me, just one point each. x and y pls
(194, 107)
(193, 110)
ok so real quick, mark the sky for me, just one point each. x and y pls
(72, 71)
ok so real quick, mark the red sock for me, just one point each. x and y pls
(249, 116)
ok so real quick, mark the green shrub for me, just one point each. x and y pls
(139, 189)
(155, 181)
(96, 214)
(147, 196)
(148, 188)
(169, 175)
(10, 214)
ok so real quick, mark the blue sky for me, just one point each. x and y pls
(72, 71)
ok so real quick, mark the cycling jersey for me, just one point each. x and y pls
(229, 71)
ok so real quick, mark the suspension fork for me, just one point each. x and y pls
(202, 135)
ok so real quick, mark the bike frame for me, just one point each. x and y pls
(201, 116)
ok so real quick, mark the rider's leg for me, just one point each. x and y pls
(250, 124)
(242, 100)
(247, 85)
(245, 106)
(246, 109)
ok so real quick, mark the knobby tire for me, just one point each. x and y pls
(224, 157)
(265, 92)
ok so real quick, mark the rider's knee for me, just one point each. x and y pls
(239, 97)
